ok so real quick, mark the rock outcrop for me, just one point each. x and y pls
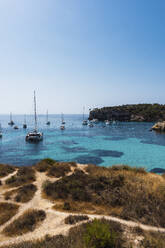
(159, 126)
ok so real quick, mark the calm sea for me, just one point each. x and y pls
(120, 143)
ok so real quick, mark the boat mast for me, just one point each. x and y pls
(83, 112)
(24, 119)
(10, 117)
(35, 112)
(62, 118)
(47, 116)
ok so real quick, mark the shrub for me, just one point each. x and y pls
(99, 235)
(44, 164)
(6, 169)
(73, 219)
(66, 206)
(7, 211)
(25, 223)
(25, 193)
(23, 176)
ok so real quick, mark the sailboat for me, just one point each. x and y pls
(34, 136)
(62, 127)
(62, 119)
(0, 131)
(11, 123)
(24, 125)
(84, 122)
(47, 121)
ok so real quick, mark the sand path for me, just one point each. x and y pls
(54, 222)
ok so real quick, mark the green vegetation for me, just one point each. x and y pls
(126, 192)
(146, 112)
(53, 168)
(24, 175)
(25, 223)
(73, 219)
(22, 194)
(99, 234)
(7, 211)
(6, 169)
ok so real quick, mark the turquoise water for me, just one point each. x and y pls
(120, 143)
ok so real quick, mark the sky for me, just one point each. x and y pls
(77, 53)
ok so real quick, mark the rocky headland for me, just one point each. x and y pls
(135, 112)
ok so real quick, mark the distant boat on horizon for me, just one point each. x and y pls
(11, 123)
(62, 127)
(84, 122)
(24, 125)
(34, 136)
(62, 119)
(0, 131)
(47, 120)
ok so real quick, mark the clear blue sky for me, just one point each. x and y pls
(81, 52)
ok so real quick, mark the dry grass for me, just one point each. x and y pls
(22, 194)
(121, 191)
(7, 211)
(6, 169)
(27, 222)
(24, 175)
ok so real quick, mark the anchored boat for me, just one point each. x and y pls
(0, 131)
(62, 127)
(47, 120)
(84, 122)
(24, 125)
(34, 136)
(11, 122)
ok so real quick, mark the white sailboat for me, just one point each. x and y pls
(84, 122)
(11, 123)
(24, 125)
(47, 120)
(62, 119)
(34, 136)
(0, 131)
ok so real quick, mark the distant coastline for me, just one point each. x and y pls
(134, 112)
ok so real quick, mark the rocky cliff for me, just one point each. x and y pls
(136, 112)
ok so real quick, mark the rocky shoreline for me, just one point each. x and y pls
(136, 113)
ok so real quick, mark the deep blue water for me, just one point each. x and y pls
(120, 143)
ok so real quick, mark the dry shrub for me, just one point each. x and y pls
(6, 169)
(7, 211)
(22, 194)
(73, 219)
(25, 223)
(53, 168)
(24, 175)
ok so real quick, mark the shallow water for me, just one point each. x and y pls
(120, 143)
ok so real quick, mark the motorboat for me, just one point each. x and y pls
(15, 127)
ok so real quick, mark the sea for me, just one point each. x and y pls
(129, 143)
